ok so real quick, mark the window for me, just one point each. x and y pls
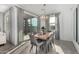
(29, 22)
(52, 20)
(52, 23)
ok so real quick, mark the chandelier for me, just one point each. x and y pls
(44, 16)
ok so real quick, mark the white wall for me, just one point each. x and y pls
(17, 25)
(1, 21)
(20, 23)
(78, 23)
(65, 19)
(67, 26)
(14, 26)
(11, 27)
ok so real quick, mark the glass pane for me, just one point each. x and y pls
(52, 23)
(34, 24)
(34, 21)
(52, 20)
(29, 22)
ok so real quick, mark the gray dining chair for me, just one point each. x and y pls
(34, 42)
(48, 44)
(52, 44)
(53, 40)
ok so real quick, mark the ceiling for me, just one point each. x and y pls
(49, 8)
(4, 7)
(37, 8)
(27, 16)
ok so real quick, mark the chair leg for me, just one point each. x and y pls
(51, 44)
(36, 50)
(31, 48)
(46, 49)
(40, 48)
(54, 46)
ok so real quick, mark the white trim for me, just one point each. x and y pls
(65, 39)
(16, 48)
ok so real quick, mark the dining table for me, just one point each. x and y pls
(44, 36)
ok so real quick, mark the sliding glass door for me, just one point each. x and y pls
(34, 24)
(30, 25)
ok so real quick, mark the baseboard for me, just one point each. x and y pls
(65, 40)
(76, 45)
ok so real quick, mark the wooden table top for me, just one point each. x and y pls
(43, 36)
